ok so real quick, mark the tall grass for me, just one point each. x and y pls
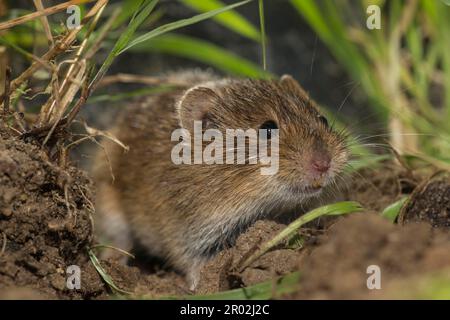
(404, 67)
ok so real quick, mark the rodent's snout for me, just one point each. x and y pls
(318, 169)
(320, 162)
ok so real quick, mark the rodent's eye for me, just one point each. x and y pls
(323, 120)
(269, 126)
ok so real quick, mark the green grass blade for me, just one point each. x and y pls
(430, 8)
(392, 211)
(17, 48)
(127, 9)
(335, 209)
(229, 19)
(138, 18)
(444, 29)
(201, 51)
(262, 291)
(105, 276)
(312, 14)
(181, 23)
(263, 33)
(347, 50)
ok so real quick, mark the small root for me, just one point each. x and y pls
(2, 251)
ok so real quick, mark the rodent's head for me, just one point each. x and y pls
(311, 153)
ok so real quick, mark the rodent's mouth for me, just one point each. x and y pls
(312, 190)
(309, 190)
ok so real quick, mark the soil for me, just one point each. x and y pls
(46, 226)
(45, 222)
(337, 268)
(430, 202)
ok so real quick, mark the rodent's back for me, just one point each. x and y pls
(140, 181)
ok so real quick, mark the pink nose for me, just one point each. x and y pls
(321, 163)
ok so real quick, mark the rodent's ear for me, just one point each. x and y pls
(195, 105)
(293, 86)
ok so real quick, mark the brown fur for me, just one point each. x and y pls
(185, 213)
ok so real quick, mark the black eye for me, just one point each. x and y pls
(269, 126)
(323, 120)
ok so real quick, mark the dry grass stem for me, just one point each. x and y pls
(40, 7)
(40, 13)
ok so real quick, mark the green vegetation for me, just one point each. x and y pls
(396, 66)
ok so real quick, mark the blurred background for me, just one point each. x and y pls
(388, 85)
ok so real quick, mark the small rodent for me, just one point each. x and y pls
(186, 213)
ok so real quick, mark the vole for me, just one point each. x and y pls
(185, 213)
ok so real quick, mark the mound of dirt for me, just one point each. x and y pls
(222, 272)
(138, 283)
(376, 188)
(340, 266)
(45, 221)
(430, 202)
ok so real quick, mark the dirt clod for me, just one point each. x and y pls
(45, 219)
(431, 203)
(338, 267)
(223, 272)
